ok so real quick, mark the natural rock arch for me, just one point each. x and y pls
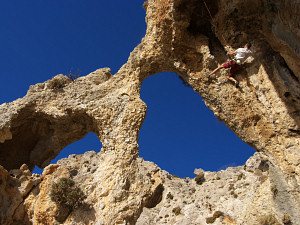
(189, 55)
(206, 142)
(38, 137)
(264, 112)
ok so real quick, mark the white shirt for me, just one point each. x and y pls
(242, 54)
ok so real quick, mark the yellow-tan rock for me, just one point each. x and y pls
(187, 37)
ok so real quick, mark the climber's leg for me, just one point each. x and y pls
(224, 65)
(234, 68)
(218, 68)
(236, 83)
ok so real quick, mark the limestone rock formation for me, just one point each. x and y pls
(187, 37)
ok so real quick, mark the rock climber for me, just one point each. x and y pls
(240, 55)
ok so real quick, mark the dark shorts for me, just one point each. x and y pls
(234, 67)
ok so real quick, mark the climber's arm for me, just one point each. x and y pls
(231, 53)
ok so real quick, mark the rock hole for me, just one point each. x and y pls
(199, 16)
(200, 13)
(89, 143)
(287, 94)
(28, 129)
(155, 198)
(180, 133)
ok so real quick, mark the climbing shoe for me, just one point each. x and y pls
(237, 84)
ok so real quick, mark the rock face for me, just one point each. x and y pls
(186, 37)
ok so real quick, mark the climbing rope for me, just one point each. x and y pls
(207, 9)
(215, 26)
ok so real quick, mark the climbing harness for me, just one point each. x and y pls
(237, 61)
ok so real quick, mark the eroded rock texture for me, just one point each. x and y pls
(187, 37)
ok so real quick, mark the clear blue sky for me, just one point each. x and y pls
(39, 39)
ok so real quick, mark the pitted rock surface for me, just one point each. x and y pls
(188, 38)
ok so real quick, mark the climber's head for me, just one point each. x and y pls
(248, 45)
